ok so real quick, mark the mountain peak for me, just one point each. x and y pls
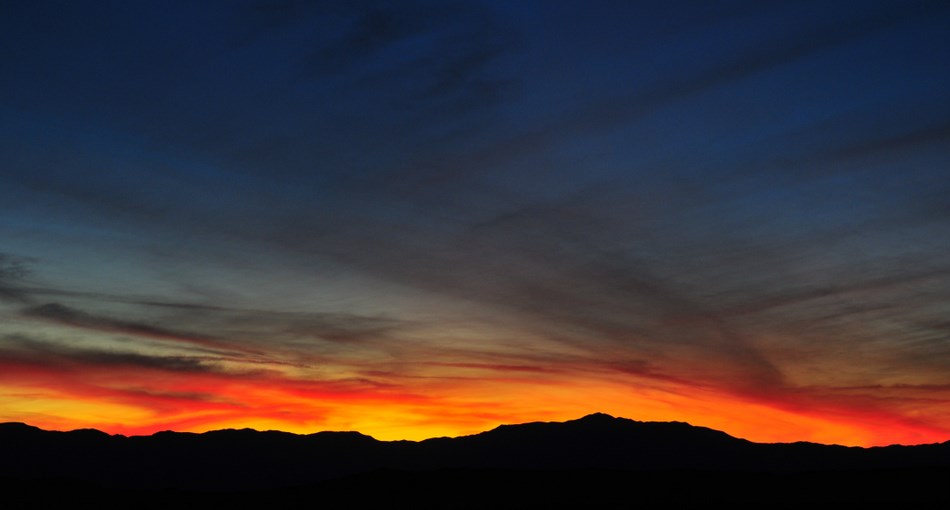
(598, 418)
(18, 426)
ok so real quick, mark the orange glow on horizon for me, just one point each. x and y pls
(116, 402)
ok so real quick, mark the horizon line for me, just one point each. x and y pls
(553, 422)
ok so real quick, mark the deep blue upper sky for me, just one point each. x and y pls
(757, 188)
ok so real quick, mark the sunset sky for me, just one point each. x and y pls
(419, 219)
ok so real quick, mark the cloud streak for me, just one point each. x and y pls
(65, 315)
(12, 271)
(19, 349)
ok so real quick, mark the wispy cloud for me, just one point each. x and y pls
(20, 349)
(13, 270)
(63, 314)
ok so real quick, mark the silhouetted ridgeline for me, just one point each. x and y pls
(597, 456)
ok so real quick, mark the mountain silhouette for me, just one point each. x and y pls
(597, 456)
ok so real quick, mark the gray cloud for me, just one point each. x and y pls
(70, 316)
(13, 270)
(242, 335)
(63, 314)
(272, 328)
(18, 348)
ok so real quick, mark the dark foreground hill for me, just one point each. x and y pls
(596, 461)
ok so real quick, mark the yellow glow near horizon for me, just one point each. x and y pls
(471, 410)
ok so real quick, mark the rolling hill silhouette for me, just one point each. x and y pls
(594, 460)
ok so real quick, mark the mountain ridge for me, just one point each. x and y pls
(598, 418)
(596, 456)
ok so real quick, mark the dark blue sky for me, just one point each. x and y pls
(745, 197)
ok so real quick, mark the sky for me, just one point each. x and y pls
(419, 219)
